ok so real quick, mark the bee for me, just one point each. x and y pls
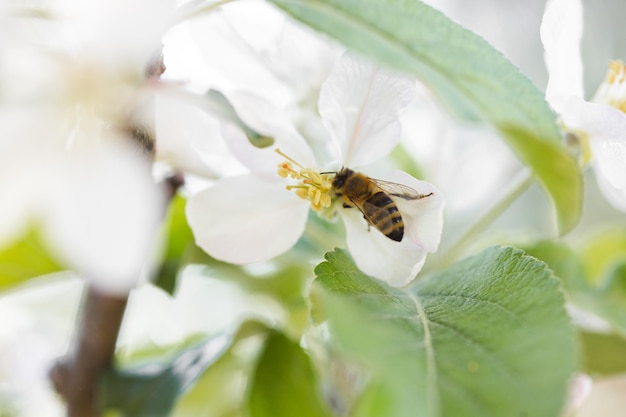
(374, 199)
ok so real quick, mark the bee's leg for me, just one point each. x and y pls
(368, 223)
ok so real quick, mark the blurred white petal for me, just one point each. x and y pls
(113, 32)
(375, 254)
(29, 167)
(561, 32)
(103, 217)
(231, 41)
(310, 59)
(190, 139)
(272, 57)
(359, 105)
(26, 186)
(38, 324)
(246, 219)
(610, 168)
(579, 389)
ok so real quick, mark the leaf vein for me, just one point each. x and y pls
(507, 310)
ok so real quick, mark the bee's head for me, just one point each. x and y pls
(341, 177)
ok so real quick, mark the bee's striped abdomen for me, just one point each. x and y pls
(388, 219)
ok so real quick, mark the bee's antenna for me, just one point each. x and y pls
(332, 172)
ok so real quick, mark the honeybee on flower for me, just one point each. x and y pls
(354, 189)
(262, 214)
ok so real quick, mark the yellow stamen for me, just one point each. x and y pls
(278, 151)
(312, 185)
(286, 170)
(613, 90)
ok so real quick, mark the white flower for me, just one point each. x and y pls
(257, 216)
(70, 88)
(602, 121)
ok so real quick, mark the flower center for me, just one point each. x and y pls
(311, 185)
(613, 90)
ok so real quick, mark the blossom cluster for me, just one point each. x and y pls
(261, 214)
(78, 177)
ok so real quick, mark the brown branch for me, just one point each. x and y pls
(77, 380)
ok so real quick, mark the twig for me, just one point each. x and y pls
(77, 378)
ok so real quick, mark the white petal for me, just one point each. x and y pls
(265, 119)
(103, 217)
(303, 59)
(397, 263)
(26, 182)
(359, 105)
(595, 119)
(561, 32)
(615, 195)
(246, 219)
(190, 139)
(108, 30)
(580, 387)
(609, 162)
(231, 41)
(605, 127)
(29, 168)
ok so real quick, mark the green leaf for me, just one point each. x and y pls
(564, 261)
(594, 284)
(220, 390)
(604, 253)
(609, 300)
(24, 259)
(463, 70)
(488, 336)
(604, 354)
(151, 388)
(556, 170)
(284, 383)
(179, 238)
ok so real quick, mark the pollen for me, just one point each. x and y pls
(309, 185)
(613, 90)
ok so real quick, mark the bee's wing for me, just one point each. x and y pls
(370, 212)
(393, 189)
